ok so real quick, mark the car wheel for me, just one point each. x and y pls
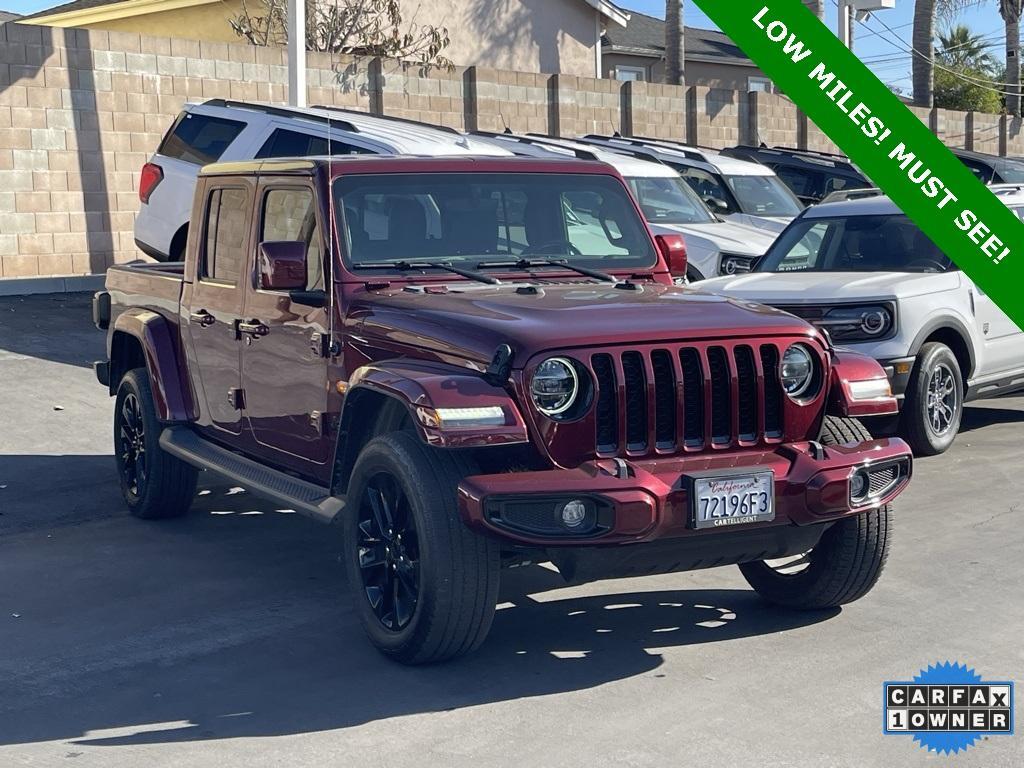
(423, 584)
(935, 401)
(845, 563)
(154, 483)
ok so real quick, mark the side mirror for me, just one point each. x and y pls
(673, 250)
(282, 265)
(717, 205)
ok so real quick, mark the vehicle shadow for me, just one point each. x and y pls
(977, 416)
(234, 622)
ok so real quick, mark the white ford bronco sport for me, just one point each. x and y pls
(868, 275)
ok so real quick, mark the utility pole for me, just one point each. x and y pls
(858, 10)
(297, 53)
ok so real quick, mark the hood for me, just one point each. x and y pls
(727, 236)
(470, 321)
(772, 225)
(829, 287)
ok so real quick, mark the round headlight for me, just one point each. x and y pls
(796, 370)
(554, 386)
(874, 321)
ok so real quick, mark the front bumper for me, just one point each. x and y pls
(648, 501)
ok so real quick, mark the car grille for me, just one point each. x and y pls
(685, 398)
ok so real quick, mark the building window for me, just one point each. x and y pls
(630, 73)
(760, 84)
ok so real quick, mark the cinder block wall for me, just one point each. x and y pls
(81, 110)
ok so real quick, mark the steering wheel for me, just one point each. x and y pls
(927, 265)
(558, 246)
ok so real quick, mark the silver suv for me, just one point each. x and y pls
(868, 275)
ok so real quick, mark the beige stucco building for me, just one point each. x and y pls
(549, 36)
(636, 51)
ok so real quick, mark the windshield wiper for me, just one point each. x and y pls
(530, 263)
(403, 265)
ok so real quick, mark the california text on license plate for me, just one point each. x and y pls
(733, 499)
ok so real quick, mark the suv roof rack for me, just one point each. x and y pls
(270, 109)
(637, 152)
(1006, 188)
(851, 194)
(543, 141)
(816, 153)
(810, 156)
(680, 147)
(389, 118)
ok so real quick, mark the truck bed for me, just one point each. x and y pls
(150, 286)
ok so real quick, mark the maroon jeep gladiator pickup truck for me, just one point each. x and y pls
(474, 363)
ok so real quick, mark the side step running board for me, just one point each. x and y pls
(306, 498)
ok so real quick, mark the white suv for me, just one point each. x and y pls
(741, 191)
(231, 130)
(868, 275)
(713, 246)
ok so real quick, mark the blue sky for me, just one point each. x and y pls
(885, 51)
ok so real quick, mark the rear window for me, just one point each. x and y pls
(283, 143)
(199, 139)
(227, 228)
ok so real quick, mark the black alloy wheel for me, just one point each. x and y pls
(388, 552)
(132, 453)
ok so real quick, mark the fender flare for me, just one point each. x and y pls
(420, 387)
(953, 323)
(849, 366)
(172, 394)
(423, 387)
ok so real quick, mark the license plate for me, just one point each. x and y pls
(733, 499)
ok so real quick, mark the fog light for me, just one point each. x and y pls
(574, 513)
(858, 486)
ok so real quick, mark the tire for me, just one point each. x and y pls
(845, 563)
(918, 424)
(454, 572)
(154, 484)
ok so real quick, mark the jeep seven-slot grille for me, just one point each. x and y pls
(701, 397)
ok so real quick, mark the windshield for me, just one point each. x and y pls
(887, 243)
(1012, 173)
(468, 219)
(669, 200)
(763, 196)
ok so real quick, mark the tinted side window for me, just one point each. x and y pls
(199, 139)
(226, 230)
(284, 143)
(290, 214)
(801, 182)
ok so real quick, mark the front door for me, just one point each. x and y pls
(213, 306)
(284, 371)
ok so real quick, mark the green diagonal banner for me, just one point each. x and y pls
(890, 144)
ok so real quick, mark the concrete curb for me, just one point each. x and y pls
(24, 286)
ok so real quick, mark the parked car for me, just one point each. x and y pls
(471, 363)
(810, 175)
(738, 190)
(714, 246)
(866, 273)
(220, 129)
(991, 169)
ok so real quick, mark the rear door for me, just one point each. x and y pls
(214, 302)
(284, 372)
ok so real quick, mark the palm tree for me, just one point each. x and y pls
(959, 48)
(923, 56)
(1010, 10)
(674, 44)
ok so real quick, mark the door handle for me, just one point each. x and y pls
(252, 328)
(202, 318)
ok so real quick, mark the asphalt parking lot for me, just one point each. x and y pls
(224, 639)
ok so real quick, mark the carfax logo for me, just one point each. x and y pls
(947, 708)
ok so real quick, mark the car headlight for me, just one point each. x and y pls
(796, 370)
(555, 386)
(733, 263)
(858, 323)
